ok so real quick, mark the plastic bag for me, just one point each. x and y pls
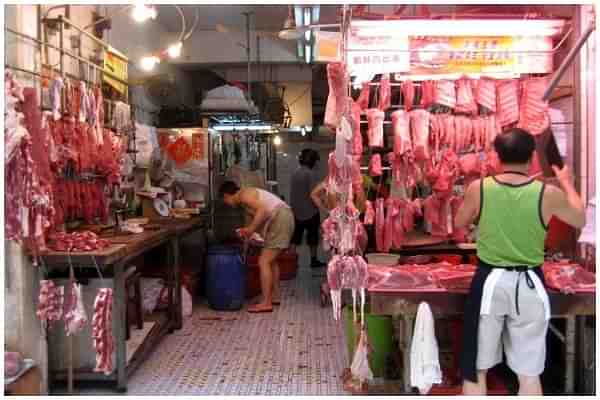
(186, 302)
(360, 372)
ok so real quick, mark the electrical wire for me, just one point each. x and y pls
(301, 96)
(182, 15)
(194, 25)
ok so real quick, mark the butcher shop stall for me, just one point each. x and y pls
(126, 272)
(415, 106)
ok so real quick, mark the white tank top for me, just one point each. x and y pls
(270, 201)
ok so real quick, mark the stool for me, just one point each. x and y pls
(132, 278)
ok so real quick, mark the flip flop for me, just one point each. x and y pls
(260, 310)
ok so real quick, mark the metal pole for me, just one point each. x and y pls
(567, 61)
(247, 15)
(61, 45)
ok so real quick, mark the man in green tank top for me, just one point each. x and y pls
(507, 307)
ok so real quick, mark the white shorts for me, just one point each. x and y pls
(522, 335)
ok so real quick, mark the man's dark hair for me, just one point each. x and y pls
(229, 187)
(308, 157)
(515, 146)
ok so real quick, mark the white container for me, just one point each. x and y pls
(383, 259)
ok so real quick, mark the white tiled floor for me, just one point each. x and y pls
(298, 349)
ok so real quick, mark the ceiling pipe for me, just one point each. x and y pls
(568, 60)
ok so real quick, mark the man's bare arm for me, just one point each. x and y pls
(470, 208)
(566, 203)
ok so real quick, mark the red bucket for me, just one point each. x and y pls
(288, 265)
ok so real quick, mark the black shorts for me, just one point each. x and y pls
(312, 226)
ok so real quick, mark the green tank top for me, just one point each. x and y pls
(511, 227)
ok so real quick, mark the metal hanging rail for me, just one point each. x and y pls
(68, 53)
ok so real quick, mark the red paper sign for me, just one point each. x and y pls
(180, 151)
(198, 146)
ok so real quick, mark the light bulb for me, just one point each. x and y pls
(148, 63)
(142, 13)
(277, 140)
(174, 50)
(308, 129)
(303, 131)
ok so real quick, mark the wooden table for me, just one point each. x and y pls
(416, 243)
(403, 304)
(113, 262)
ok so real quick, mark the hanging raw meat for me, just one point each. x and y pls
(357, 141)
(445, 93)
(379, 224)
(465, 99)
(507, 102)
(363, 98)
(534, 114)
(375, 165)
(419, 122)
(486, 94)
(375, 133)
(337, 79)
(102, 331)
(408, 94)
(75, 315)
(401, 130)
(369, 213)
(427, 93)
(385, 93)
(50, 301)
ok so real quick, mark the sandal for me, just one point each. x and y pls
(255, 310)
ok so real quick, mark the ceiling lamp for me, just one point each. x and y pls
(277, 140)
(148, 63)
(174, 50)
(289, 31)
(142, 13)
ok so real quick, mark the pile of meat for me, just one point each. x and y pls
(50, 301)
(569, 278)
(426, 276)
(74, 315)
(77, 241)
(28, 202)
(102, 331)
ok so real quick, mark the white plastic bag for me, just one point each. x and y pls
(186, 302)
(360, 363)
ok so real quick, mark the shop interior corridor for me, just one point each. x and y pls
(297, 350)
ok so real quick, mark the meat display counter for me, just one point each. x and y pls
(402, 305)
(113, 262)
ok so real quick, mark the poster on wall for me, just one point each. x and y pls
(116, 64)
(186, 150)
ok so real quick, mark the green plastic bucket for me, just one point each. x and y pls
(380, 332)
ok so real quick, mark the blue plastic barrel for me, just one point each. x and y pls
(225, 278)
